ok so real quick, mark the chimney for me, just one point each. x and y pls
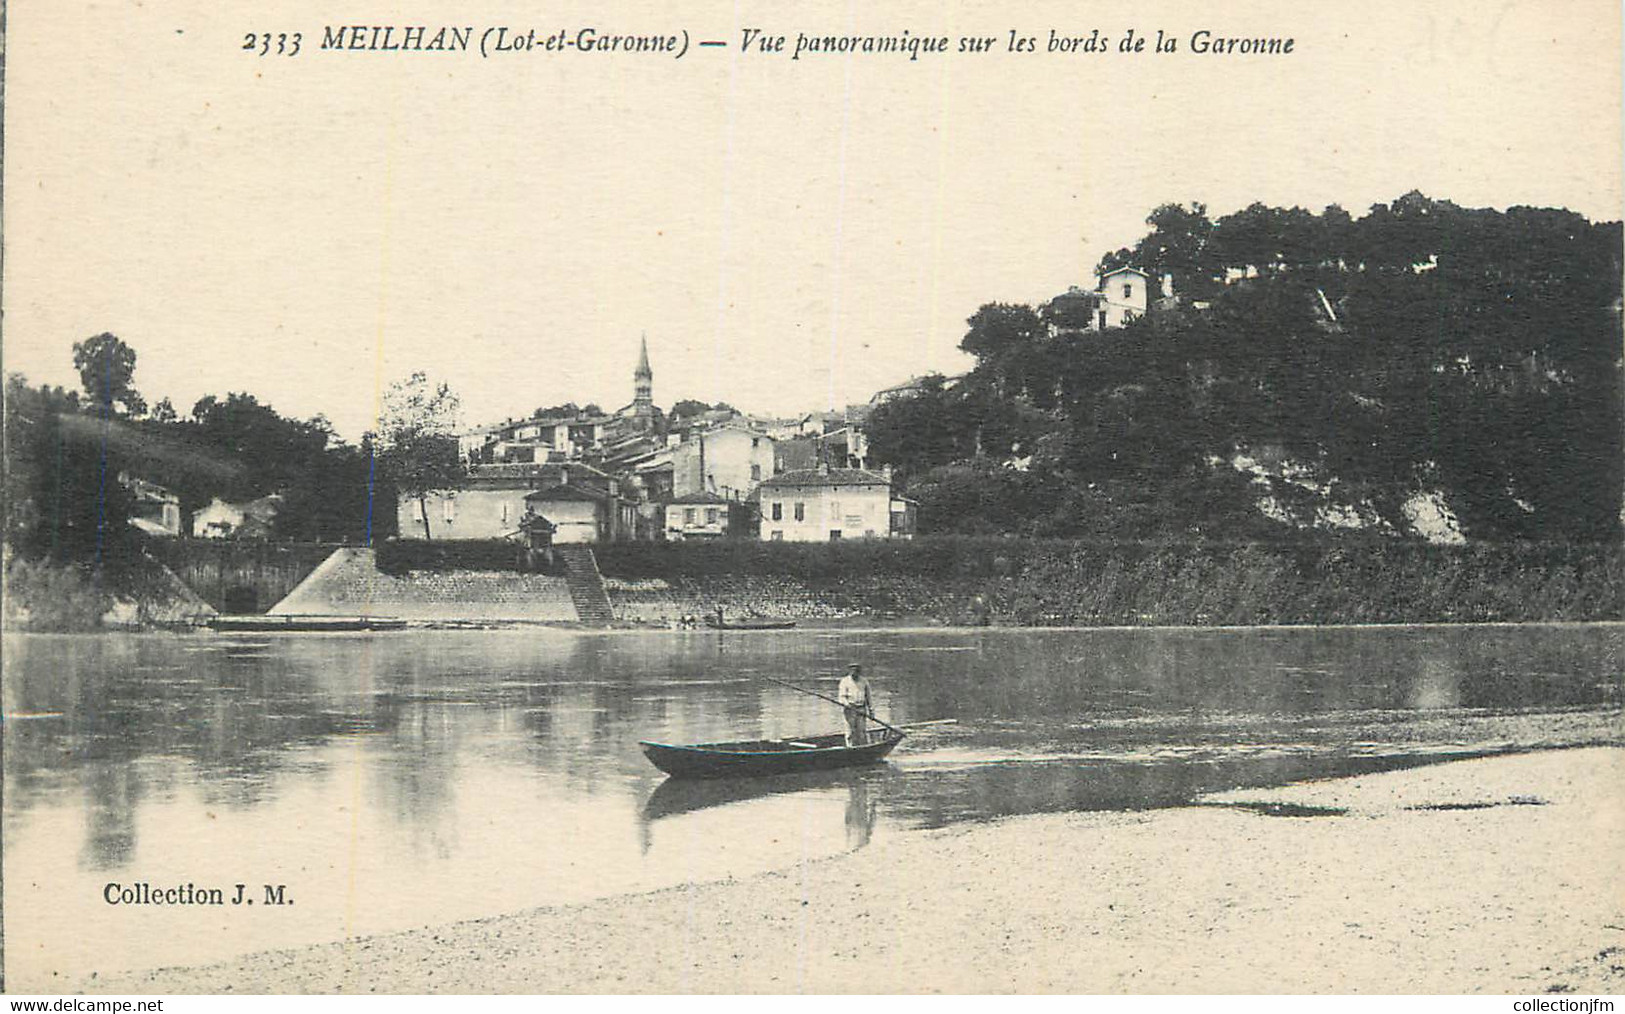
(564, 475)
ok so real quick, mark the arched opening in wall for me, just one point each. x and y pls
(241, 599)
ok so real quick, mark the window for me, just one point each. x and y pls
(1128, 291)
(710, 515)
(688, 515)
(778, 512)
(777, 536)
(835, 508)
(417, 510)
(504, 513)
(1103, 320)
(835, 535)
(450, 509)
(756, 473)
(801, 512)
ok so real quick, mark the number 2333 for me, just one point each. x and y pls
(268, 43)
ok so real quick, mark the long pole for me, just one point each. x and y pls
(814, 693)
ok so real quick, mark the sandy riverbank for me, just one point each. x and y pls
(1502, 875)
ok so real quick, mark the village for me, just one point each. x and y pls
(639, 473)
(514, 524)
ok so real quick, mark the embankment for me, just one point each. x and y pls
(349, 583)
(947, 580)
(1063, 583)
(50, 597)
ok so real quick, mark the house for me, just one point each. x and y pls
(915, 386)
(1122, 297)
(578, 513)
(727, 460)
(492, 501)
(907, 389)
(844, 446)
(699, 516)
(225, 520)
(157, 510)
(825, 504)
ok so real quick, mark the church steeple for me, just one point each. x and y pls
(643, 381)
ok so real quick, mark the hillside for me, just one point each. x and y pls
(1425, 372)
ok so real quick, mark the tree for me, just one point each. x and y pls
(920, 432)
(416, 439)
(106, 367)
(690, 407)
(1176, 245)
(63, 500)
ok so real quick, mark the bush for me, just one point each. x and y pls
(1054, 581)
(43, 596)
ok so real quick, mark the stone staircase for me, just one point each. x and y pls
(586, 585)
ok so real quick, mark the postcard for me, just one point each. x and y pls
(819, 498)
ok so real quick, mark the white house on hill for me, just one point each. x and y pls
(1122, 297)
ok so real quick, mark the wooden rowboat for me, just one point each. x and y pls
(749, 623)
(757, 757)
(260, 623)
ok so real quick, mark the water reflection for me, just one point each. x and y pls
(494, 770)
(861, 812)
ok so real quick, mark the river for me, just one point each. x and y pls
(402, 779)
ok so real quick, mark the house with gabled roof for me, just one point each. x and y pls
(825, 505)
(1122, 297)
(492, 501)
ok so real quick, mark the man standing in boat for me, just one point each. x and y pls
(853, 693)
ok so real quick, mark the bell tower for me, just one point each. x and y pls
(643, 383)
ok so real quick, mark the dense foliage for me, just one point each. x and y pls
(63, 501)
(401, 556)
(65, 454)
(1297, 580)
(1317, 371)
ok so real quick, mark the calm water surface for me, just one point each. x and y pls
(402, 779)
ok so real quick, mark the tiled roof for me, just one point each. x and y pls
(705, 498)
(555, 493)
(834, 477)
(530, 470)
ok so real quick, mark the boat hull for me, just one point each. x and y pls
(306, 624)
(762, 624)
(759, 758)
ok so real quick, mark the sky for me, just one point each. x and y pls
(789, 235)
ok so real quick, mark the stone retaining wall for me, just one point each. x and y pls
(349, 583)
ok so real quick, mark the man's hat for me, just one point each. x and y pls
(854, 667)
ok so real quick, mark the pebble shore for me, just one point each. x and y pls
(1497, 875)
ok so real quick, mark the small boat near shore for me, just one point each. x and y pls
(749, 623)
(758, 757)
(258, 623)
